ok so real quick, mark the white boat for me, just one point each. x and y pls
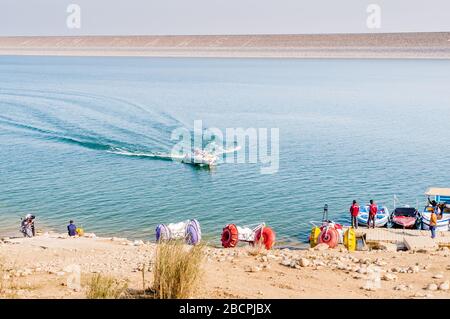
(200, 158)
(381, 218)
(441, 196)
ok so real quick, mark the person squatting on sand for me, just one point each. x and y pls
(354, 211)
(372, 213)
(72, 229)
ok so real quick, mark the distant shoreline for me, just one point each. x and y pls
(355, 46)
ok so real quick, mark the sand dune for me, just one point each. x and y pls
(394, 45)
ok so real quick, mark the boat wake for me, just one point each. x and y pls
(83, 120)
(167, 156)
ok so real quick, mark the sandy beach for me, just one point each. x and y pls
(392, 45)
(41, 267)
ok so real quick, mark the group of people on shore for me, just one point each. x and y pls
(354, 212)
(437, 210)
(28, 228)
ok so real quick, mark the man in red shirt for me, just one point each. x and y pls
(372, 213)
(354, 212)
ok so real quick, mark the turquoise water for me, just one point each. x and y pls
(349, 129)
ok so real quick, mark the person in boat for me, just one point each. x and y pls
(438, 209)
(433, 203)
(71, 229)
(441, 207)
(372, 213)
(354, 212)
(433, 223)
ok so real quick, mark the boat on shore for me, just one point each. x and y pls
(381, 218)
(405, 217)
(442, 197)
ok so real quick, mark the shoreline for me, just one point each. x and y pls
(433, 45)
(40, 267)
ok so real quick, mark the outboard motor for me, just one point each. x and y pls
(188, 230)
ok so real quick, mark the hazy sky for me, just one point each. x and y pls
(128, 17)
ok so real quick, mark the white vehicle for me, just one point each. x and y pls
(442, 197)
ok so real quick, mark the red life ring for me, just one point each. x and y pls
(230, 236)
(268, 237)
(330, 237)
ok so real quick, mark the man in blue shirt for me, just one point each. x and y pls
(72, 229)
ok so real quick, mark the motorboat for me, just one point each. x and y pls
(381, 218)
(441, 196)
(200, 158)
(405, 217)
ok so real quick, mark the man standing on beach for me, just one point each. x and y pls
(354, 211)
(372, 213)
(433, 222)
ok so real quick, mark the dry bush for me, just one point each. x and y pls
(177, 270)
(105, 287)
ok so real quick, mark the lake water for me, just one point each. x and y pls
(349, 129)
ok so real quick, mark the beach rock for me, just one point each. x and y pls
(304, 262)
(414, 269)
(267, 266)
(369, 287)
(438, 276)
(254, 269)
(341, 266)
(138, 243)
(401, 288)
(389, 277)
(319, 263)
(380, 262)
(432, 287)
(444, 286)
(387, 247)
(321, 247)
(286, 262)
(362, 270)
